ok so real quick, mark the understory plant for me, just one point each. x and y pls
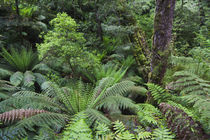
(55, 106)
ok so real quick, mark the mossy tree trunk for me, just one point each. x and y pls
(161, 40)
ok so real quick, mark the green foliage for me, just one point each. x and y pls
(180, 123)
(195, 92)
(158, 93)
(162, 134)
(65, 102)
(148, 115)
(20, 60)
(66, 43)
(78, 130)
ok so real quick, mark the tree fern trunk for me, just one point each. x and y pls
(162, 36)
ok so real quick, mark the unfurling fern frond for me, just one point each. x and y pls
(158, 93)
(19, 114)
(162, 133)
(180, 123)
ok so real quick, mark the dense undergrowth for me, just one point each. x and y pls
(80, 70)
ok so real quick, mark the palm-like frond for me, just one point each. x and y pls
(94, 115)
(190, 83)
(5, 73)
(50, 119)
(18, 114)
(116, 102)
(22, 60)
(108, 88)
(191, 65)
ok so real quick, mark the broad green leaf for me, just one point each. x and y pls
(16, 78)
(29, 79)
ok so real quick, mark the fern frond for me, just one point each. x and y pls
(125, 136)
(190, 83)
(49, 119)
(78, 130)
(144, 135)
(148, 114)
(118, 127)
(118, 89)
(115, 102)
(5, 73)
(94, 115)
(158, 93)
(26, 99)
(22, 60)
(162, 134)
(19, 114)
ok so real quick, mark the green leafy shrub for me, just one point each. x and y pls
(64, 42)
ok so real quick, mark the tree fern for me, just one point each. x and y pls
(22, 60)
(65, 102)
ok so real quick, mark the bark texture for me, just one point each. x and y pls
(163, 24)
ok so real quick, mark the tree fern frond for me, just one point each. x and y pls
(118, 89)
(5, 73)
(94, 115)
(27, 99)
(190, 83)
(49, 119)
(19, 114)
(22, 60)
(115, 102)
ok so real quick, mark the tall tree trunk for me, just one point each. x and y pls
(162, 36)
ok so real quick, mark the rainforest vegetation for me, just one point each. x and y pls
(104, 69)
